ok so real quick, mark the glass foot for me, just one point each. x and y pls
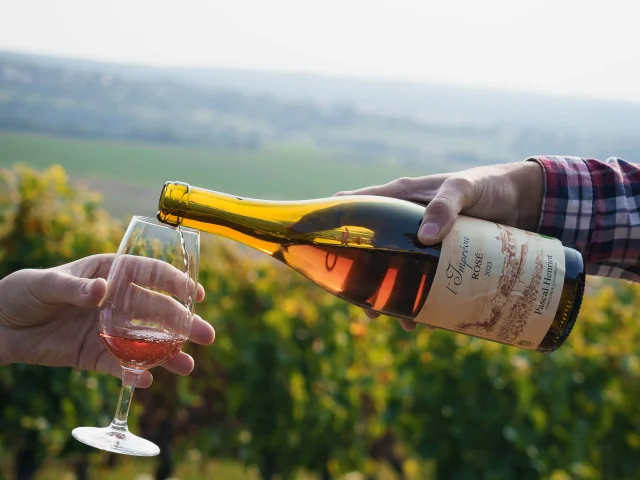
(117, 441)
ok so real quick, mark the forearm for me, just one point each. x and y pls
(593, 206)
(529, 184)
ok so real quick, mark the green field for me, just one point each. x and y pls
(130, 175)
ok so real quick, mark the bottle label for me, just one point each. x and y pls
(496, 282)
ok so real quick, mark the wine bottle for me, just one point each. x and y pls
(485, 280)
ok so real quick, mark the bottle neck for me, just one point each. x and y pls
(245, 221)
(358, 222)
(173, 203)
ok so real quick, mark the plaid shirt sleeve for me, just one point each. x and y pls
(593, 206)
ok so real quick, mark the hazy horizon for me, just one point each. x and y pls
(570, 49)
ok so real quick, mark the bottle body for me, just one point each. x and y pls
(365, 250)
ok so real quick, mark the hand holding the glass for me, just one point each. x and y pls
(146, 317)
(122, 314)
(49, 317)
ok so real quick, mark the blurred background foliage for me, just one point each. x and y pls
(299, 384)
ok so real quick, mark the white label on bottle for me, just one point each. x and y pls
(497, 283)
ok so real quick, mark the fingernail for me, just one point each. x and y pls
(429, 229)
(370, 314)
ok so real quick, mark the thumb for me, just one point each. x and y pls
(60, 288)
(452, 197)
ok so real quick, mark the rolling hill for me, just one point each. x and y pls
(428, 126)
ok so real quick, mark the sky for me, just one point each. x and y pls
(578, 48)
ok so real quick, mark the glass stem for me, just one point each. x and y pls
(130, 379)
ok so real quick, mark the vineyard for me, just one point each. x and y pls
(299, 381)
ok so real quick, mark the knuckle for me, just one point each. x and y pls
(40, 284)
(461, 184)
(72, 285)
(441, 204)
(403, 182)
(402, 186)
(46, 280)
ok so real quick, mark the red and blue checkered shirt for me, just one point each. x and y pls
(593, 205)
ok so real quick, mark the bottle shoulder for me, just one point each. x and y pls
(574, 262)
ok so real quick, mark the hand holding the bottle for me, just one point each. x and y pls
(510, 194)
(50, 317)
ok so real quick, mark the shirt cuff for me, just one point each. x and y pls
(568, 201)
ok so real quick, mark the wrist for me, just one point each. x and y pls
(4, 347)
(530, 186)
(5, 331)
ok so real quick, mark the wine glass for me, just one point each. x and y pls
(145, 317)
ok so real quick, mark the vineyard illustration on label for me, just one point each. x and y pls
(514, 299)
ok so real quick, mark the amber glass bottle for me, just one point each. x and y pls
(485, 280)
